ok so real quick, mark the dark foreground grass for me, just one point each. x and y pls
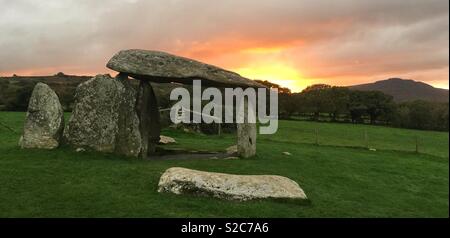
(339, 181)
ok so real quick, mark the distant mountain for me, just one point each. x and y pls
(406, 90)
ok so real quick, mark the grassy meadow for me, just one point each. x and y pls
(340, 176)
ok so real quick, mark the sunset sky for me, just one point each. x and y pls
(294, 43)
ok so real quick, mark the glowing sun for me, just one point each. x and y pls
(278, 73)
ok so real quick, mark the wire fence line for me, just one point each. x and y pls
(373, 139)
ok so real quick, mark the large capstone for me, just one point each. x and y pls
(104, 117)
(162, 67)
(44, 120)
(228, 186)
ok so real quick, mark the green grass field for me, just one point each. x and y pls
(340, 177)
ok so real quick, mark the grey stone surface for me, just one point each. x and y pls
(104, 118)
(163, 67)
(94, 120)
(232, 150)
(228, 186)
(246, 137)
(128, 139)
(166, 140)
(148, 114)
(44, 120)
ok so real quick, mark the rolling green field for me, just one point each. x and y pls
(340, 176)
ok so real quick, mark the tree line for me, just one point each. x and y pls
(322, 102)
(318, 102)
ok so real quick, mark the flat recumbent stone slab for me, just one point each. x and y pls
(228, 186)
(162, 67)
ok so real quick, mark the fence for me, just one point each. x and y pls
(362, 136)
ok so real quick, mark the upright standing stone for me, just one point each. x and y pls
(110, 115)
(148, 113)
(246, 135)
(44, 121)
(104, 116)
(93, 123)
(128, 138)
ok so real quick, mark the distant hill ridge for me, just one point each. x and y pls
(406, 90)
(15, 91)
